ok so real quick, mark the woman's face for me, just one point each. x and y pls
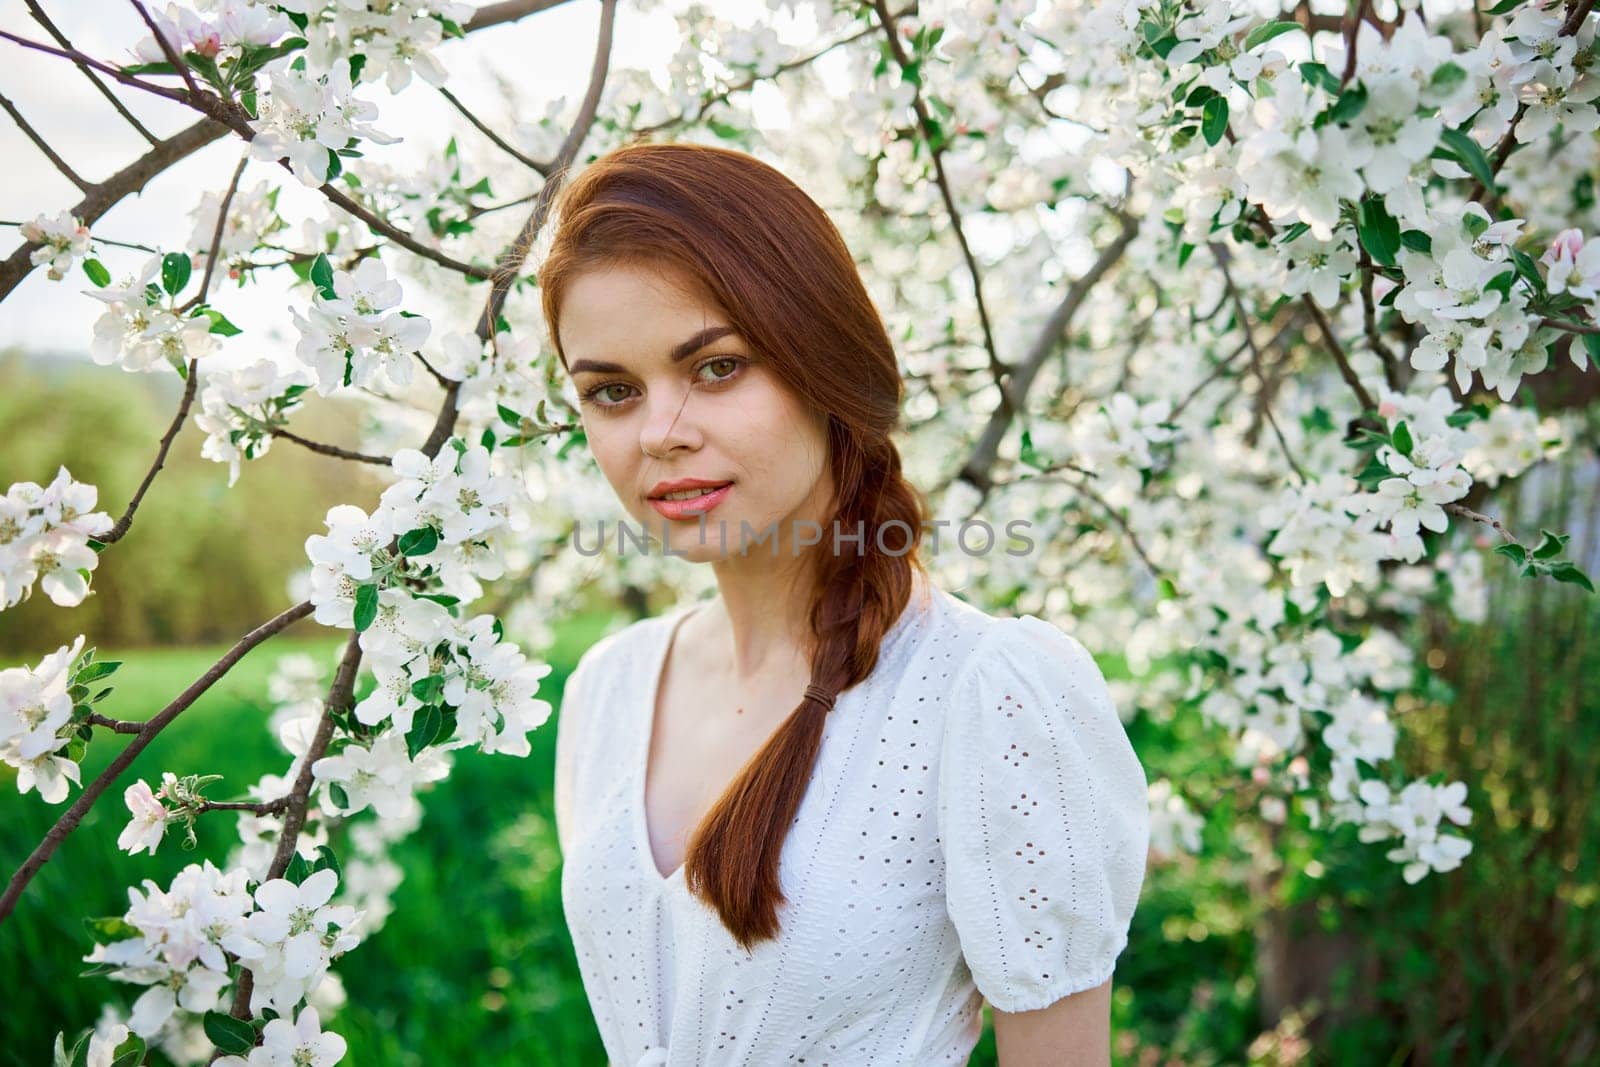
(669, 392)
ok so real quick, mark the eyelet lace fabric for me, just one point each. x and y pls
(976, 826)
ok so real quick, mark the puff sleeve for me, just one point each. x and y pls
(1043, 817)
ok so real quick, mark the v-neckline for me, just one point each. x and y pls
(641, 762)
(641, 817)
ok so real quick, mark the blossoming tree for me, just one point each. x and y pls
(1249, 315)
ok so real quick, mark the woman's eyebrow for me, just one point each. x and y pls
(683, 351)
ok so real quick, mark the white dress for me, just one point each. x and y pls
(976, 826)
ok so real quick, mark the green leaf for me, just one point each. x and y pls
(97, 273)
(424, 730)
(162, 67)
(1505, 7)
(220, 324)
(1568, 572)
(111, 928)
(1373, 474)
(1550, 544)
(1470, 156)
(429, 690)
(340, 797)
(1417, 241)
(419, 542)
(1267, 31)
(1378, 231)
(1402, 439)
(322, 276)
(175, 271)
(98, 670)
(574, 439)
(1446, 76)
(1349, 104)
(1319, 75)
(299, 869)
(234, 1037)
(509, 417)
(1214, 119)
(366, 608)
(1513, 552)
(327, 861)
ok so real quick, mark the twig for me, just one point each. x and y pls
(330, 450)
(73, 816)
(98, 239)
(998, 370)
(268, 807)
(708, 99)
(43, 145)
(231, 115)
(82, 59)
(1352, 21)
(299, 798)
(507, 11)
(1467, 513)
(1220, 253)
(1369, 323)
(164, 153)
(977, 468)
(1508, 141)
(1346, 372)
(120, 530)
(166, 48)
(1570, 327)
(120, 726)
(500, 142)
(216, 234)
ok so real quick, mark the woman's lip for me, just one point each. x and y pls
(694, 506)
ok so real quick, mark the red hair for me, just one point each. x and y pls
(775, 264)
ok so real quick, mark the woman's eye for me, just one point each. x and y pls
(731, 362)
(598, 393)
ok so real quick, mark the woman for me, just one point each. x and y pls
(818, 818)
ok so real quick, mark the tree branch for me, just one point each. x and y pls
(1346, 372)
(43, 145)
(977, 469)
(299, 798)
(103, 197)
(997, 369)
(216, 234)
(124, 524)
(330, 450)
(73, 816)
(499, 142)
